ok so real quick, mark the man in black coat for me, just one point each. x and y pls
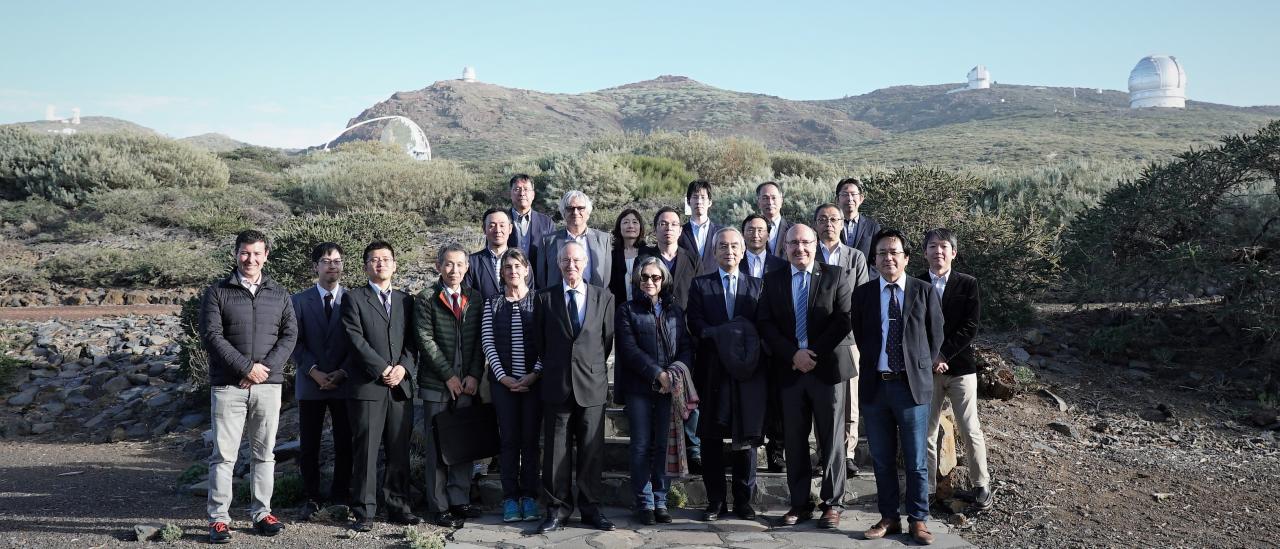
(859, 229)
(573, 333)
(482, 266)
(381, 370)
(757, 262)
(698, 232)
(528, 227)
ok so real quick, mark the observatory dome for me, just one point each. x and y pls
(1158, 81)
(979, 78)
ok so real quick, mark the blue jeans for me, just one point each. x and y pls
(691, 434)
(650, 419)
(892, 417)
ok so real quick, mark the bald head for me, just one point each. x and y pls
(802, 245)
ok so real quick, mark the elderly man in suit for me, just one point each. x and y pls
(957, 377)
(756, 262)
(575, 206)
(528, 227)
(769, 202)
(830, 224)
(699, 230)
(572, 332)
(804, 318)
(898, 324)
(482, 266)
(858, 228)
(321, 385)
(381, 370)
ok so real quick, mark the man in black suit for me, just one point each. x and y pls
(321, 385)
(858, 229)
(757, 262)
(528, 227)
(698, 232)
(482, 266)
(572, 332)
(897, 322)
(769, 201)
(957, 377)
(381, 372)
(803, 318)
(715, 300)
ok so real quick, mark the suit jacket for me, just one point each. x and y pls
(771, 264)
(322, 342)
(573, 366)
(686, 267)
(706, 312)
(708, 255)
(921, 336)
(855, 267)
(962, 315)
(828, 310)
(378, 341)
(599, 249)
(781, 249)
(863, 232)
(481, 275)
(540, 225)
(647, 347)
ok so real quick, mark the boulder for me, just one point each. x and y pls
(115, 385)
(147, 532)
(946, 444)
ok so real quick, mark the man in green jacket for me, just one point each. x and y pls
(447, 323)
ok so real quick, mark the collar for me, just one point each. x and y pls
(378, 289)
(944, 276)
(724, 273)
(833, 249)
(576, 237)
(776, 221)
(337, 292)
(240, 279)
(693, 223)
(581, 288)
(760, 255)
(519, 215)
(494, 254)
(901, 283)
(808, 271)
(448, 293)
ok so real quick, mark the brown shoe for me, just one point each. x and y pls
(796, 516)
(883, 528)
(830, 518)
(920, 533)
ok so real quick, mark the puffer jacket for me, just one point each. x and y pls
(238, 329)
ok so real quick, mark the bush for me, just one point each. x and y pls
(801, 195)
(290, 262)
(1052, 193)
(801, 164)
(193, 474)
(193, 360)
(720, 161)
(35, 211)
(659, 177)
(603, 176)
(258, 167)
(159, 265)
(209, 212)
(66, 168)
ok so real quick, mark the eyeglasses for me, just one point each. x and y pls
(381, 260)
(891, 253)
(331, 262)
(651, 278)
(830, 220)
(848, 195)
(576, 208)
(805, 243)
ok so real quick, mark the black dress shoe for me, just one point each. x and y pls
(850, 468)
(745, 511)
(695, 465)
(406, 518)
(713, 512)
(600, 522)
(466, 511)
(982, 498)
(362, 525)
(645, 517)
(552, 524)
(309, 508)
(661, 515)
(448, 520)
(796, 516)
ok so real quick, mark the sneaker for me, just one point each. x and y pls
(268, 526)
(529, 508)
(219, 533)
(511, 511)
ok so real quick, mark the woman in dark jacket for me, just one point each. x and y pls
(628, 245)
(511, 362)
(651, 336)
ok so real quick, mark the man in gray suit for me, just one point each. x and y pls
(829, 222)
(769, 201)
(898, 323)
(575, 206)
(572, 333)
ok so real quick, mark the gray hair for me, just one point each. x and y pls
(644, 261)
(569, 196)
(560, 254)
(715, 240)
(448, 248)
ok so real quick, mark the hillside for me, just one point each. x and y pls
(88, 124)
(214, 142)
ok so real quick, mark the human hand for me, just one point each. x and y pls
(455, 387)
(804, 361)
(664, 380)
(259, 373)
(470, 385)
(940, 367)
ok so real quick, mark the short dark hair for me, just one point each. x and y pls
(484, 219)
(251, 236)
(762, 186)
(750, 217)
(662, 210)
(940, 233)
(849, 181)
(890, 233)
(518, 178)
(821, 207)
(617, 228)
(697, 185)
(378, 245)
(448, 249)
(322, 249)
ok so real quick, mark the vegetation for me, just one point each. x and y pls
(163, 264)
(419, 540)
(290, 261)
(193, 360)
(216, 213)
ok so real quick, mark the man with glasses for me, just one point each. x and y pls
(804, 318)
(757, 262)
(528, 227)
(576, 207)
(769, 201)
(858, 228)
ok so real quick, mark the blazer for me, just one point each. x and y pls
(572, 367)
(707, 311)
(781, 249)
(708, 255)
(640, 353)
(618, 278)
(855, 267)
(961, 315)
(686, 267)
(829, 293)
(540, 225)
(481, 275)
(378, 341)
(322, 342)
(771, 264)
(599, 248)
(921, 336)
(864, 231)
(438, 333)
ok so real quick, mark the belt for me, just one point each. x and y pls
(892, 376)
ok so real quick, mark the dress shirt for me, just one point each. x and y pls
(252, 286)
(773, 234)
(882, 365)
(830, 257)
(795, 290)
(582, 239)
(756, 262)
(700, 234)
(580, 297)
(522, 227)
(337, 292)
(940, 282)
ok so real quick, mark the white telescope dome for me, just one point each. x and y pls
(1158, 81)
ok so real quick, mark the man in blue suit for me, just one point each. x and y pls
(482, 268)
(528, 227)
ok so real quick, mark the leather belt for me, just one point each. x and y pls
(892, 376)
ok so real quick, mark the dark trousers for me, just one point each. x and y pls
(893, 418)
(519, 418)
(773, 431)
(564, 427)
(714, 460)
(649, 418)
(811, 403)
(388, 423)
(310, 432)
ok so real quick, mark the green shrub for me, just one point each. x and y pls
(719, 160)
(419, 540)
(193, 360)
(193, 474)
(36, 211)
(171, 532)
(659, 177)
(604, 176)
(800, 196)
(801, 164)
(258, 167)
(290, 261)
(159, 265)
(1052, 193)
(209, 212)
(288, 491)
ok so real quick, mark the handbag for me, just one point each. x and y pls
(466, 434)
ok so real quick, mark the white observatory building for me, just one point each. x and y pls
(468, 74)
(1158, 81)
(979, 78)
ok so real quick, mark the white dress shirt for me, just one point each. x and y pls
(940, 282)
(755, 263)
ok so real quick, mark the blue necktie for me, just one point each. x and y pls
(802, 310)
(897, 363)
(386, 300)
(573, 313)
(729, 295)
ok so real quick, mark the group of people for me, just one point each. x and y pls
(725, 338)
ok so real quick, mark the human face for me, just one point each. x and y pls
(576, 215)
(651, 280)
(850, 198)
(522, 195)
(940, 254)
(802, 244)
(329, 268)
(514, 273)
(668, 229)
(572, 260)
(756, 233)
(453, 267)
(700, 204)
(891, 259)
(769, 201)
(380, 266)
(250, 258)
(629, 226)
(497, 227)
(829, 222)
(729, 251)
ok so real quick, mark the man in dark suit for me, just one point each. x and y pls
(757, 262)
(769, 201)
(803, 319)
(698, 231)
(321, 385)
(482, 266)
(714, 300)
(858, 229)
(528, 227)
(957, 377)
(575, 206)
(573, 333)
(898, 324)
(381, 372)
(682, 263)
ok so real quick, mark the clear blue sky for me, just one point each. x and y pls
(291, 74)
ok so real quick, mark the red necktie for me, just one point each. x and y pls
(457, 310)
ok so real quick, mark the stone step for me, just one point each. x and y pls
(617, 453)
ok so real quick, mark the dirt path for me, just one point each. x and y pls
(85, 312)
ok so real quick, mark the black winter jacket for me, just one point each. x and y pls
(238, 329)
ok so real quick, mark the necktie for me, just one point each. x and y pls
(802, 310)
(386, 300)
(729, 295)
(573, 313)
(457, 310)
(772, 248)
(894, 346)
(328, 306)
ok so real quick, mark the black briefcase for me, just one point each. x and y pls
(466, 434)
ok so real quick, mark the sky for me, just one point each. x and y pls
(292, 74)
